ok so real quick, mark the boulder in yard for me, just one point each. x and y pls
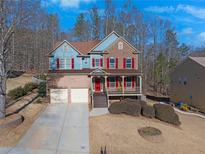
(142, 103)
(148, 111)
(129, 108)
(166, 113)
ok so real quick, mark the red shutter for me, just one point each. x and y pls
(116, 82)
(108, 63)
(133, 63)
(116, 63)
(124, 82)
(57, 63)
(133, 82)
(93, 62)
(108, 82)
(72, 63)
(124, 62)
(101, 62)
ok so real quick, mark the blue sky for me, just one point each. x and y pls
(187, 16)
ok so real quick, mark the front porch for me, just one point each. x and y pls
(116, 85)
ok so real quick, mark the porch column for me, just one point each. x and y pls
(140, 84)
(123, 88)
(106, 83)
(91, 84)
(108, 102)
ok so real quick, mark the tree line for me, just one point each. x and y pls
(28, 33)
(155, 37)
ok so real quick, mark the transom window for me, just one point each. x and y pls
(112, 62)
(112, 82)
(128, 82)
(128, 62)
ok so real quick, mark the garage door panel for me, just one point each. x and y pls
(59, 95)
(79, 95)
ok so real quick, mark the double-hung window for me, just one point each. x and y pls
(62, 63)
(112, 82)
(68, 63)
(97, 63)
(128, 63)
(112, 62)
(128, 82)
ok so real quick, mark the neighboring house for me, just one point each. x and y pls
(95, 71)
(188, 82)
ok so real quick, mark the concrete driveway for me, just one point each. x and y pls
(61, 129)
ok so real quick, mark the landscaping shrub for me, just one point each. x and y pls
(129, 108)
(148, 111)
(42, 89)
(30, 86)
(16, 93)
(41, 76)
(166, 113)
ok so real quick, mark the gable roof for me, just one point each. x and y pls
(113, 32)
(57, 45)
(199, 60)
(86, 46)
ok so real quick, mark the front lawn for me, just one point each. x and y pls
(119, 133)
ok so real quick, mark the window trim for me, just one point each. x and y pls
(97, 66)
(62, 63)
(112, 82)
(128, 58)
(112, 58)
(66, 60)
(129, 82)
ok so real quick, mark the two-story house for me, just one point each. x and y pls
(94, 72)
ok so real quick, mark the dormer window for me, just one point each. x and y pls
(120, 46)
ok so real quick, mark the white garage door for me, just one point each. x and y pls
(79, 95)
(59, 95)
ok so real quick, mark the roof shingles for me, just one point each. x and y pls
(85, 47)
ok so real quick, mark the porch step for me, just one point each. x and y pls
(100, 100)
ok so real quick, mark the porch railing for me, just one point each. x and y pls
(127, 90)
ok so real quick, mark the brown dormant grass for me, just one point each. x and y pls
(119, 133)
(19, 81)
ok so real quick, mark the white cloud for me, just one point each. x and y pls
(160, 9)
(195, 11)
(70, 3)
(198, 12)
(201, 36)
(188, 30)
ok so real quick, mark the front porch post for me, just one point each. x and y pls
(91, 79)
(108, 102)
(123, 80)
(106, 83)
(140, 84)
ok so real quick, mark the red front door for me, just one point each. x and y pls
(97, 85)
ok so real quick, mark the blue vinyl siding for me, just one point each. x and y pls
(106, 43)
(61, 53)
(86, 62)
